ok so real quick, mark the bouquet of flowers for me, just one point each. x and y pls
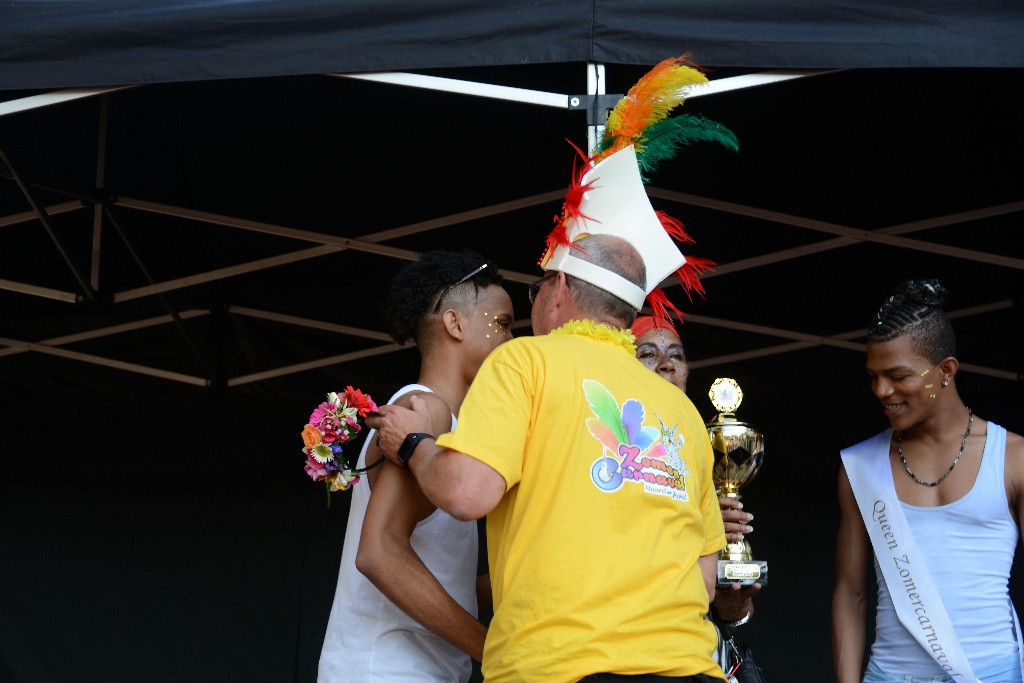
(332, 424)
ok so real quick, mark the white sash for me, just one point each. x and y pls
(910, 585)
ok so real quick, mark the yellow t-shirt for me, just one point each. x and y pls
(593, 549)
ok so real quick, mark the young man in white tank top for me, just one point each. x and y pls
(937, 499)
(406, 603)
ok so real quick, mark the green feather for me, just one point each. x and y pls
(662, 140)
(605, 408)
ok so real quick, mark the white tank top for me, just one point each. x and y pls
(968, 546)
(369, 639)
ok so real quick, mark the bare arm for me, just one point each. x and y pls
(386, 556)
(388, 560)
(848, 599)
(1015, 475)
(462, 486)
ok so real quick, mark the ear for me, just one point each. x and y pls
(562, 294)
(947, 368)
(454, 324)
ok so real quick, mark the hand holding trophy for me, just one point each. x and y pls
(738, 450)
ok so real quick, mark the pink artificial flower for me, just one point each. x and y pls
(315, 470)
(323, 410)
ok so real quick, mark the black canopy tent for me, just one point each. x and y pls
(218, 199)
(64, 43)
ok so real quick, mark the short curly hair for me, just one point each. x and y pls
(915, 309)
(415, 288)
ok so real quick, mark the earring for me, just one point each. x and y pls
(945, 382)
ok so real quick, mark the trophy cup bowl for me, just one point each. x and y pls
(738, 450)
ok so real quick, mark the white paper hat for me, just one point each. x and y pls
(615, 203)
(610, 198)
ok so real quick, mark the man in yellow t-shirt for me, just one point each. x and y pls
(603, 524)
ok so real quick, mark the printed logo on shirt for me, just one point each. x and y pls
(633, 453)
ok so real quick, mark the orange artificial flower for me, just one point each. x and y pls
(311, 436)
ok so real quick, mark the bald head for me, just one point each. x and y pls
(618, 256)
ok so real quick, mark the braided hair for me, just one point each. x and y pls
(414, 291)
(915, 309)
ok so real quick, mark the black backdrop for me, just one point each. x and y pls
(158, 531)
(170, 537)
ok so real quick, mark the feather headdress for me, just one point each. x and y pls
(608, 196)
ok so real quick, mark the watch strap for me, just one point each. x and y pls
(408, 446)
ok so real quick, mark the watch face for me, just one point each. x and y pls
(726, 395)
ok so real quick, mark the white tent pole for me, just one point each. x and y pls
(595, 88)
(51, 98)
(559, 100)
(500, 92)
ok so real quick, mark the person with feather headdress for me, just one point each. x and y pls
(603, 525)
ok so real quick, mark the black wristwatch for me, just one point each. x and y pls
(408, 446)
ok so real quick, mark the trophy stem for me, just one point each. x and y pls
(730, 490)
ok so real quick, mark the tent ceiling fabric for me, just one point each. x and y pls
(197, 223)
(66, 43)
(238, 234)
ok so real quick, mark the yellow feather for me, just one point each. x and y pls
(650, 100)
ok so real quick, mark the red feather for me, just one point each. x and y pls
(660, 305)
(674, 228)
(689, 275)
(559, 235)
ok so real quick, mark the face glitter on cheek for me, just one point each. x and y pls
(495, 325)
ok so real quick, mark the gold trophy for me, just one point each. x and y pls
(738, 451)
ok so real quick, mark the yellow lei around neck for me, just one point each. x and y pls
(599, 331)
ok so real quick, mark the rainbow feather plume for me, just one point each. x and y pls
(648, 102)
(642, 119)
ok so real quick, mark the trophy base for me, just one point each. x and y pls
(743, 572)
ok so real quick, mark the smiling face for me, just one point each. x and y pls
(661, 350)
(906, 383)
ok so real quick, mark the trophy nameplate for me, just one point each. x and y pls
(738, 450)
